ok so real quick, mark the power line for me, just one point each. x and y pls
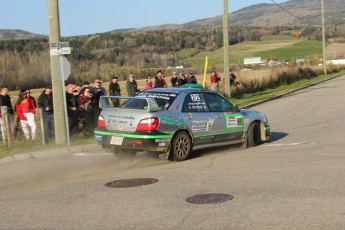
(291, 13)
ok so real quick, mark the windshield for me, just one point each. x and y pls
(163, 100)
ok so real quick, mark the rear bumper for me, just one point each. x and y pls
(156, 143)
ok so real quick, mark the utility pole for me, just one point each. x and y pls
(323, 37)
(57, 80)
(226, 49)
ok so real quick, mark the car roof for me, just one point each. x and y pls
(176, 90)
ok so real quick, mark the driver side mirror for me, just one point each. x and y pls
(237, 108)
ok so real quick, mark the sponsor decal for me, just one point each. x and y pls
(195, 97)
(161, 140)
(162, 149)
(197, 106)
(135, 142)
(166, 119)
(199, 126)
(234, 121)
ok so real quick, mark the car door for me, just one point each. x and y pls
(228, 123)
(198, 119)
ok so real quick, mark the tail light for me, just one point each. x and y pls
(101, 122)
(148, 124)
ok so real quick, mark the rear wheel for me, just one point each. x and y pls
(253, 135)
(181, 146)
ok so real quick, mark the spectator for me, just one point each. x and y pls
(173, 79)
(45, 102)
(182, 80)
(215, 78)
(159, 81)
(72, 103)
(132, 86)
(164, 82)
(26, 110)
(98, 90)
(86, 112)
(232, 78)
(149, 84)
(191, 79)
(114, 90)
(31, 97)
(5, 100)
(85, 85)
(79, 87)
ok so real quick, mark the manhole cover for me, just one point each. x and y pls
(126, 183)
(211, 198)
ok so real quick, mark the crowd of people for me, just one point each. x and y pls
(82, 102)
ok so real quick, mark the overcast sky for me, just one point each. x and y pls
(81, 17)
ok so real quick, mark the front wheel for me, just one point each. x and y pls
(181, 146)
(253, 135)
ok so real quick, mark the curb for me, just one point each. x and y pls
(48, 153)
(287, 93)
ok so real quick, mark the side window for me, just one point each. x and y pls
(193, 102)
(217, 103)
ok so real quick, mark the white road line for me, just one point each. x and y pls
(91, 154)
(290, 144)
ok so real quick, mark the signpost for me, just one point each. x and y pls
(63, 70)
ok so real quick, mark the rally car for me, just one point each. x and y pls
(175, 121)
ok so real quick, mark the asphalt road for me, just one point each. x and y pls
(296, 181)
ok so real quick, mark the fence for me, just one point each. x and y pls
(11, 130)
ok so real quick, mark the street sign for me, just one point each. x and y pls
(63, 68)
(65, 50)
(58, 45)
(59, 48)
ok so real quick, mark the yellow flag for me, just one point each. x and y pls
(205, 71)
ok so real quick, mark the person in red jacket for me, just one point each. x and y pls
(26, 110)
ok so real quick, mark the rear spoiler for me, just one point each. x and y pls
(105, 104)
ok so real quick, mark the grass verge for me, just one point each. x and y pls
(247, 99)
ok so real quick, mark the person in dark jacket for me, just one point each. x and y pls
(72, 103)
(5, 100)
(114, 90)
(191, 79)
(181, 80)
(173, 79)
(132, 86)
(45, 102)
(97, 91)
(159, 80)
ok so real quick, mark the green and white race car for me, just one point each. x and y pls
(175, 121)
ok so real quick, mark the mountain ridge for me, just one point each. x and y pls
(290, 13)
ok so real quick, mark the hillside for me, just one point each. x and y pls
(7, 34)
(307, 12)
(298, 12)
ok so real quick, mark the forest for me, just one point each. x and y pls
(26, 62)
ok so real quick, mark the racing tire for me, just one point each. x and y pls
(253, 135)
(181, 146)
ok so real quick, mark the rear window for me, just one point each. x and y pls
(163, 100)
